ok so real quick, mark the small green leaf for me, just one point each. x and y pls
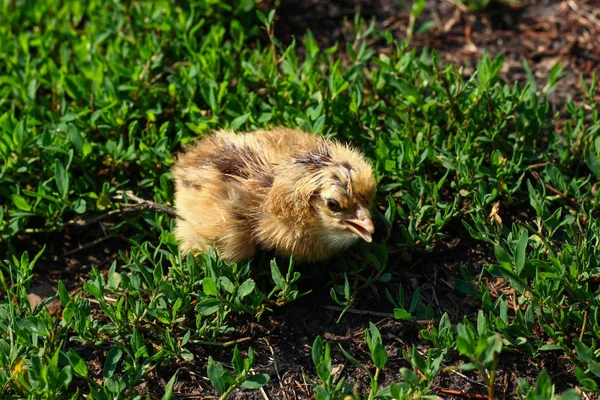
(63, 293)
(157, 274)
(569, 394)
(520, 251)
(550, 347)
(417, 360)
(220, 379)
(481, 323)
(186, 338)
(402, 314)
(503, 258)
(114, 277)
(209, 306)
(414, 301)
(239, 121)
(137, 340)
(593, 161)
(584, 353)
(61, 178)
(92, 289)
(246, 288)
(467, 367)
(271, 17)
(594, 368)
(169, 388)
(465, 287)
(409, 376)
(319, 124)
(112, 361)
(226, 284)
(64, 377)
(77, 363)
(324, 370)
(187, 355)
(276, 275)
(317, 350)
(79, 206)
(379, 356)
(237, 361)
(589, 384)
(249, 361)
(75, 138)
(256, 381)
(21, 203)
(31, 89)
(209, 286)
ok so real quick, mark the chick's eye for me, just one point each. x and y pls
(333, 205)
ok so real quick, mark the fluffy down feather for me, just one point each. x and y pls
(281, 189)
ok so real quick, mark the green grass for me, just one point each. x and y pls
(98, 96)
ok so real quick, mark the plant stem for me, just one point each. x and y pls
(585, 317)
(375, 385)
(453, 105)
(222, 344)
(228, 392)
(491, 387)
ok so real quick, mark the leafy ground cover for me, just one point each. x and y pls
(482, 281)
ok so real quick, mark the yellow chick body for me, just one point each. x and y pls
(281, 189)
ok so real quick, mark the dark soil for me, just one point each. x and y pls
(541, 32)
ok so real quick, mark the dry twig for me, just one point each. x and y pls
(88, 245)
(142, 204)
(463, 394)
(275, 363)
(138, 204)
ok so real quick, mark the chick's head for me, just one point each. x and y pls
(342, 188)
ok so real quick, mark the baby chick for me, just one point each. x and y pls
(281, 189)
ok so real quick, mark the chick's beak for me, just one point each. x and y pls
(362, 224)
